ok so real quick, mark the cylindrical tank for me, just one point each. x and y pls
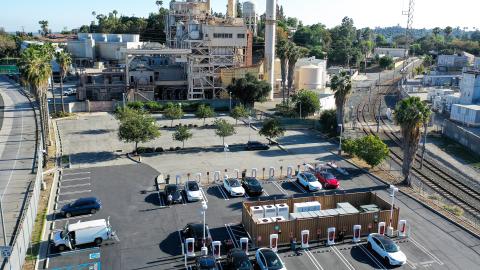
(309, 77)
(194, 29)
(248, 9)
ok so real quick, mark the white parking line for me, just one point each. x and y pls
(231, 235)
(77, 173)
(424, 249)
(75, 179)
(371, 256)
(342, 258)
(224, 195)
(78, 185)
(204, 195)
(280, 188)
(412, 265)
(298, 186)
(76, 192)
(265, 192)
(313, 260)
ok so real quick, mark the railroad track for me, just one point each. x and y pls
(442, 182)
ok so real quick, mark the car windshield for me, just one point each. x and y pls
(310, 177)
(252, 182)
(328, 176)
(273, 262)
(233, 182)
(391, 247)
(193, 186)
(242, 264)
(172, 189)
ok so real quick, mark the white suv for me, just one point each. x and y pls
(309, 181)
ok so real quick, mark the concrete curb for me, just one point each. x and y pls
(132, 159)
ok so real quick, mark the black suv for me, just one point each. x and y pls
(254, 145)
(195, 230)
(81, 206)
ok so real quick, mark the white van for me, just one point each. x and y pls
(94, 231)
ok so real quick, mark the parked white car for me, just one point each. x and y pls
(267, 259)
(193, 192)
(309, 181)
(386, 248)
(233, 187)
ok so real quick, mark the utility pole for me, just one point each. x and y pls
(425, 125)
(409, 14)
(378, 119)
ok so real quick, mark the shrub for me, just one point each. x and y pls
(178, 148)
(137, 105)
(328, 120)
(172, 148)
(159, 149)
(454, 210)
(153, 106)
(349, 146)
(141, 150)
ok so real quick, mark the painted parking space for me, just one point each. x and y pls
(302, 260)
(86, 259)
(418, 256)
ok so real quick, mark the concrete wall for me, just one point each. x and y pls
(92, 106)
(462, 136)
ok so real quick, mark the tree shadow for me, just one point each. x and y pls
(93, 157)
(153, 198)
(94, 132)
(170, 245)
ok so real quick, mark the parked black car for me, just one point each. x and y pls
(195, 230)
(172, 194)
(238, 260)
(206, 262)
(255, 145)
(82, 206)
(252, 186)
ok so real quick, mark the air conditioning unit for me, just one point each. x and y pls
(257, 211)
(278, 219)
(270, 211)
(314, 206)
(300, 207)
(264, 220)
(282, 210)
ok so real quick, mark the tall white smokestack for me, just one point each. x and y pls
(270, 33)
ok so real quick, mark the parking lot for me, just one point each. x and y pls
(148, 230)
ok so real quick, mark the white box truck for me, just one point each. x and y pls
(94, 231)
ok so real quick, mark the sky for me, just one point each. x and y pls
(371, 13)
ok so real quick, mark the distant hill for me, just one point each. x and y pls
(393, 31)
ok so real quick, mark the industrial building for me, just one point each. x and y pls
(92, 47)
(310, 73)
(455, 61)
(470, 87)
(392, 52)
(101, 85)
(466, 114)
(434, 79)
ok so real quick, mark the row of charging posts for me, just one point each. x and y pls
(254, 173)
(190, 242)
(402, 232)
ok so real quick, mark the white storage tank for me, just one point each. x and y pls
(309, 77)
(257, 211)
(269, 211)
(282, 210)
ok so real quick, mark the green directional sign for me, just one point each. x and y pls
(9, 70)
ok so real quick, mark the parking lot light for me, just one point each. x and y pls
(204, 211)
(394, 189)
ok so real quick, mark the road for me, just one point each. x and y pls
(17, 151)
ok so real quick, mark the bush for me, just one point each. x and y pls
(172, 149)
(141, 150)
(153, 106)
(349, 146)
(159, 149)
(61, 114)
(454, 210)
(136, 105)
(178, 148)
(328, 121)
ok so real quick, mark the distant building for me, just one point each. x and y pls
(470, 87)
(392, 52)
(466, 114)
(102, 85)
(476, 63)
(441, 80)
(454, 62)
(92, 47)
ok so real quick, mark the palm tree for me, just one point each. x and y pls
(282, 52)
(411, 114)
(342, 87)
(115, 12)
(294, 53)
(36, 70)
(64, 60)
(448, 31)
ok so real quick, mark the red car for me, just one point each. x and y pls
(327, 179)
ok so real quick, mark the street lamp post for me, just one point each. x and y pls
(341, 134)
(394, 189)
(204, 250)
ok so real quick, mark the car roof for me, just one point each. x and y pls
(382, 238)
(232, 180)
(87, 224)
(86, 199)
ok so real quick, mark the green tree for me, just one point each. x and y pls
(282, 53)
(343, 39)
(436, 31)
(349, 146)
(239, 112)
(381, 41)
(371, 149)
(173, 112)
(249, 90)
(224, 129)
(137, 127)
(411, 114)
(271, 129)
(64, 60)
(239, 9)
(386, 62)
(293, 54)
(342, 87)
(306, 102)
(182, 134)
(8, 47)
(204, 112)
(427, 60)
(328, 121)
(448, 31)
(43, 27)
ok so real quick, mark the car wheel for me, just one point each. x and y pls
(386, 261)
(93, 211)
(68, 214)
(98, 240)
(369, 245)
(62, 248)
